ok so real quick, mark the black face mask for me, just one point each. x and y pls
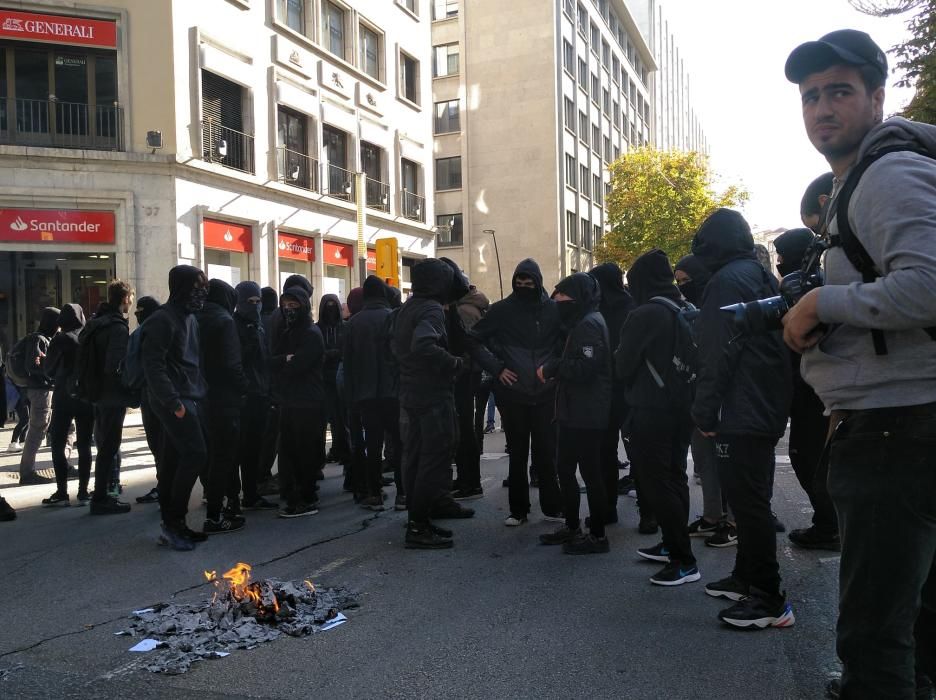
(526, 293)
(290, 316)
(692, 291)
(196, 300)
(248, 311)
(569, 312)
(786, 268)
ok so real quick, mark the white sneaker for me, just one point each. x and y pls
(15, 447)
(514, 521)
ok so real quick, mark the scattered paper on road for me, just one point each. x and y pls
(144, 610)
(334, 622)
(145, 645)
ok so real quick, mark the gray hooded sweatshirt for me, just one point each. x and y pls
(893, 214)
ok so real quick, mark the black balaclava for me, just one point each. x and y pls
(651, 276)
(585, 294)
(244, 308)
(49, 321)
(792, 246)
(528, 268)
(182, 290)
(355, 300)
(71, 318)
(296, 318)
(460, 283)
(298, 281)
(611, 281)
(269, 300)
(723, 237)
(374, 289)
(222, 294)
(699, 276)
(329, 310)
(145, 307)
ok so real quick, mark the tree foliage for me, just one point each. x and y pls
(658, 199)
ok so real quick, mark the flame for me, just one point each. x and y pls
(241, 589)
(310, 585)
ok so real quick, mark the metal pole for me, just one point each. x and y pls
(500, 276)
(359, 192)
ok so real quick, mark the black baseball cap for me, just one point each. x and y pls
(848, 46)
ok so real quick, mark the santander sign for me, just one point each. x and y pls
(56, 226)
(60, 29)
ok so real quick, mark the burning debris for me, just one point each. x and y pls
(241, 614)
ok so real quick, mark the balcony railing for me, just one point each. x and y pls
(229, 147)
(339, 183)
(61, 124)
(378, 195)
(297, 169)
(413, 206)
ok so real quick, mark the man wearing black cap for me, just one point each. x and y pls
(868, 351)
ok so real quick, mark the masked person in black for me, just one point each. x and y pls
(59, 364)
(175, 387)
(298, 355)
(269, 303)
(266, 484)
(427, 404)
(523, 333)
(660, 424)
(227, 386)
(333, 327)
(255, 360)
(583, 404)
(152, 428)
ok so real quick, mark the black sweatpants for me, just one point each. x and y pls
(610, 438)
(270, 443)
(253, 419)
(808, 432)
(380, 417)
(223, 437)
(525, 424)
(108, 431)
(152, 428)
(468, 452)
(581, 448)
(429, 436)
(301, 450)
(336, 412)
(64, 410)
(183, 458)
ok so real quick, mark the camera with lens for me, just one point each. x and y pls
(765, 315)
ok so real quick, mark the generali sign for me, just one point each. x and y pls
(57, 29)
(56, 226)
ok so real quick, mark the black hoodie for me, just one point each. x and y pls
(37, 345)
(744, 383)
(255, 349)
(332, 327)
(583, 398)
(369, 370)
(221, 362)
(298, 355)
(523, 334)
(699, 276)
(109, 330)
(420, 342)
(792, 246)
(60, 359)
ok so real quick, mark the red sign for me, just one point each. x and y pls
(57, 29)
(56, 226)
(372, 260)
(337, 254)
(223, 235)
(296, 247)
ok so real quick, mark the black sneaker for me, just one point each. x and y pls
(35, 479)
(726, 535)
(223, 525)
(675, 574)
(534, 480)
(833, 688)
(759, 610)
(375, 503)
(586, 544)
(84, 498)
(259, 503)
(655, 553)
(452, 511)
(425, 537)
(175, 539)
(728, 587)
(152, 496)
(647, 526)
(56, 500)
(811, 538)
(297, 511)
(440, 531)
(7, 511)
(505, 483)
(468, 494)
(778, 526)
(560, 536)
(399, 502)
(109, 506)
(626, 486)
(702, 528)
(194, 535)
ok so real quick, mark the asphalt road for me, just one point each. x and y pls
(497, 616)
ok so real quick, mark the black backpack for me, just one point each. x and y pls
(16, 361)
(678, 379)
(86, 379)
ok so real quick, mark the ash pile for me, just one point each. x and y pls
(240, 615)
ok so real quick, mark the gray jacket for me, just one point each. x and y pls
(893, 214)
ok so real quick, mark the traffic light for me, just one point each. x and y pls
(388, 261)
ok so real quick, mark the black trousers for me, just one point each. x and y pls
(336, 412)
(301, 450)
(745, 466)
(223, 440)
(357, 462)
(108, 431)
(468, 452)
(380, 417)
(581, 448)
(659, 446)
(22, 417)
(270, 442)
(480, 412)
(253, 419)
(525, 424)
(609, 464)
(808, 432)
(429, 437)
(882, 477)
(152, 428)
(183, 458)
(65, 409)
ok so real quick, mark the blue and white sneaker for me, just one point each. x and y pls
(655, 553)
(674, 574)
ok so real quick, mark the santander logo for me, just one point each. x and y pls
(19, 224)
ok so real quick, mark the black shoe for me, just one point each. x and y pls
(586, 544)
(759, 610)
(560, 536)
(778, 526)
(375, 503)
(726, 535)
(151, 497)
(728, 587)
(268, 488)
(655, 553)
(452, 511)
(84, 498)
(297, 511)
(464, 494)
(319, 475)
(223, 525)
(648, 526)
(425, 537)
(811, 538)
(505, 483)
(194, 535)
(440, 531)
(259, 503)
(833, 688)
(56, 500)
(7, 512)
(109, 506)
(702, 528)
(675, 574)
(399, 502)
(626, 485)
(176, 539)
(534, 480)
(35, 479)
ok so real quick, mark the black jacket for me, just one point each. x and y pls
(583, 398)
(369, 370)
(744, 384)
(220, 348)
(420, 341)
(37, 346)
(523, 335)
(332, 327)
(616, 304)
(63, 349)
(110, 333)
(255, 353)
(297, 382)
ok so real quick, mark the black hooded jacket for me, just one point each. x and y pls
(255, 349)
(333, 328)
(616, 305)
(219, 343)
(699, 276)
(744, 383)
(650, 332)
(523, 334)
(170, 348)
(583, 371)
(298, 354)
(109, 330)
(792, 246)
(270, 304)
(37, 345)
(60, 359)
(420, 341)
(369, 369)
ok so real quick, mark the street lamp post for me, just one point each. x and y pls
(500, 277)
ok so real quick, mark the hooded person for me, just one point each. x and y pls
(791, 249)
(60, 364)
(660, 423)
(742, 400)
(522, 333)
(355, 300)
(583, 405)
(268, 307)
(298, 281)
(175, 388)
(269, 310)
(333, 328)
(691, 277)
(146, 306)
(298, 356)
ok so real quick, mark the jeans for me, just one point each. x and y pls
(745, 465)
(581, 447)
(183, 458)
(429, 436)
(468, 452)
(808, 432)
(380, 418)
(65, 410)
(40, 413)
(223, 437)
(659, 445)
(715, 506)
(301, 451)
(882, 479)
(533, 427)
(108, 426)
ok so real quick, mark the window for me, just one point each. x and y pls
(370, 52)
(450, 230)
(570, 115)
(617, 154)
(409, 175)
(617, 115)
(444, 60)
(333, 29)
(448, 173)
(583, 127)
(584, 181)
(615, 69)
(612, 22)
(567, 6)
(409, 78)
(583, 74)
(605, 53)
(632, 96)
(568, 57)
(607, 148)
(595, 39)
(570, 170)
(339, 180)
(571, 227)
(596, 138)
(410, 5)
(295, 167)
(582, 19)
(292, 13)
(596, 188)
(447, 117)
(606, 101)
(595, 88)
(443, 9)
(223, 137)
(586, 233)
(596, 237)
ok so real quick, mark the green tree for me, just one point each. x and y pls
(658, 199)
